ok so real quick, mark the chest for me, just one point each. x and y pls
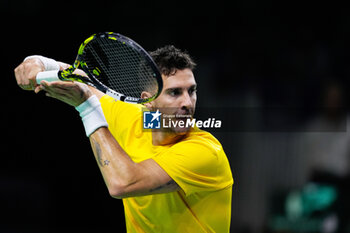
(141, 148)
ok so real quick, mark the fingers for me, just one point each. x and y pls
(59, 86)
(72, 93)
(37, 89)
(21, 78)
(55, 88)
(26, 72)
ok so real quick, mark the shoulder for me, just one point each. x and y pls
(200, 141)
(121, 116)
(119, 110)
(197, 163)
(204, 154)
(199, 152)
(108, 102)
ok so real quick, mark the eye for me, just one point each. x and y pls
(192, 90)
(174, 92)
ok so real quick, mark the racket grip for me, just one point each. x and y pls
(49, 76)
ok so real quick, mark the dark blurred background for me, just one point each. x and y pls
(253, 56)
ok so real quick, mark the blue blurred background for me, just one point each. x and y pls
(253, 56)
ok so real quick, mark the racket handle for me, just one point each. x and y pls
(49, 76)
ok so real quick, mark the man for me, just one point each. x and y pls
(170, 180)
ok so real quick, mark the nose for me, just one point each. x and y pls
(186, 101)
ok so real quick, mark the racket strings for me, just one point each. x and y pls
(120, 67)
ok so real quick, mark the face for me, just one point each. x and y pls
(178, 98)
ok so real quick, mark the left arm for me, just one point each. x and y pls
(123, 177)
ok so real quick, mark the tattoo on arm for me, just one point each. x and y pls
(102, 161)
(106, 162)
(97, 149)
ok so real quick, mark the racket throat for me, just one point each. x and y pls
(119, 96)
(115, 95)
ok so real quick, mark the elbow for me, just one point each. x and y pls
(117, 191)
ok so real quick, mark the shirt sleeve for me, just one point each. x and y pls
(197, 165)
(121, 117)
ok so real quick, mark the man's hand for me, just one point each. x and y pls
(26, 74)
(72, 93)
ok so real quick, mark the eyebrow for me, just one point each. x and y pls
(173, 89)
(194, 86)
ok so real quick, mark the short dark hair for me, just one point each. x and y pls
(169, 59)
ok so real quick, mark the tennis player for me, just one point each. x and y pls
(170, 180)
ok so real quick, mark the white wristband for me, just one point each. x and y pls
(92, 115)
(49, 64)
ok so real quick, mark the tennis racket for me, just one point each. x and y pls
(115, 65)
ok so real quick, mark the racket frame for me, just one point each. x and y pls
(91, 80)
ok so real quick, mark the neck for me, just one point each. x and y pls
(161, 138)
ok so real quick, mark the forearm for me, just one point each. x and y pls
(123, 177)
(117, 168)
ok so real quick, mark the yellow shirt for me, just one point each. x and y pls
(197, 164)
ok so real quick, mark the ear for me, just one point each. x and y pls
(144, 95)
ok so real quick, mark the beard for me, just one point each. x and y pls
(176, 120)
(180, 119)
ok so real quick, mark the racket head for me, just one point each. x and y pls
(117, 64)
